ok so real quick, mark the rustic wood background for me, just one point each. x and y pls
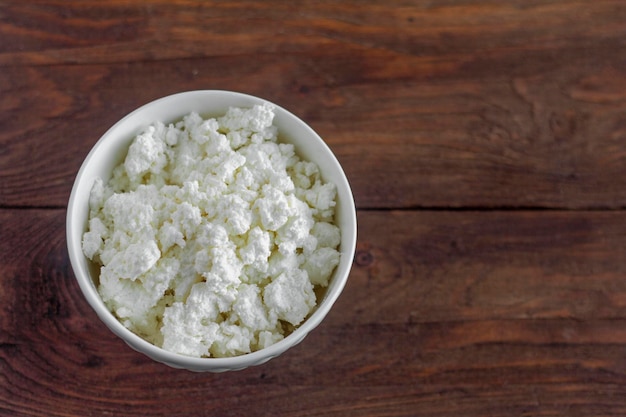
(485, 141)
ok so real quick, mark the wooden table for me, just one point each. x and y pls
(486, 145)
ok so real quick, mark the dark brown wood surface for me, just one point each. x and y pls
(485, 141)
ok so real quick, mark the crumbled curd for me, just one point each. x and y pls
(212, 236)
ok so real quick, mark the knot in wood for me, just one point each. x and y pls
(363, 258)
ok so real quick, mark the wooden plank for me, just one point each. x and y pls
(462, 143)
(478, 313)
(423, 267)
(507, 107)
(489, 265)
(46, 32)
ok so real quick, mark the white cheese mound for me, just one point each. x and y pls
(212, 236)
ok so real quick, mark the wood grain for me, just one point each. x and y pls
(485, 144)
(477, 313)
(515, 104)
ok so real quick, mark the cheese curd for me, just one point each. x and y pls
(212, 236)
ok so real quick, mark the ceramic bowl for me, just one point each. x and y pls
(111, 149)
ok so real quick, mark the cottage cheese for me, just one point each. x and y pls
(212, 236)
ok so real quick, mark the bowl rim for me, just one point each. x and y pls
(89, 290)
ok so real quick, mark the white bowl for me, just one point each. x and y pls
(111, 149)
